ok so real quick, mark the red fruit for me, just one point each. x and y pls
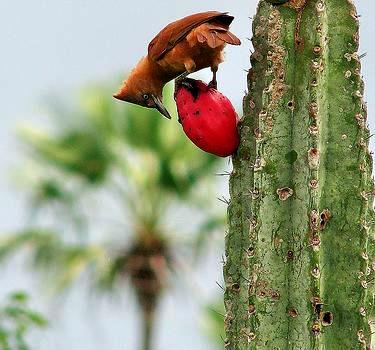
(207, 117)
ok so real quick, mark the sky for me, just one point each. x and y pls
(57, 47)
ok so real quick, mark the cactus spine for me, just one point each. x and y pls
(299, 252)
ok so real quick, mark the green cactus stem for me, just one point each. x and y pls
(300, 259)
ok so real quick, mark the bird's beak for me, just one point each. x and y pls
(117, 96)
(160, 107)
(120, 94)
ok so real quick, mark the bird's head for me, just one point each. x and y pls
(143, 88)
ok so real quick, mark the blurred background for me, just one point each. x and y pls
(111, 221)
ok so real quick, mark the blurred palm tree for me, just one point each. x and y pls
(113, 161)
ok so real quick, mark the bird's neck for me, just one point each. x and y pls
(153, 72)
(149, 76)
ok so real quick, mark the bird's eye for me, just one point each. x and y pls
(145, 97)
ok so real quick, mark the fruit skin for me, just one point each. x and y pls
(207, 117)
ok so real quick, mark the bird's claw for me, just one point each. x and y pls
(212, 84)
(188, 84)
(182, 76)
(178, 80)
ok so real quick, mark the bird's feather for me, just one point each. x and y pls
(228, 37)
(215, 35)
(176, 31)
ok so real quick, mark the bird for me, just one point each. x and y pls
(182, 47)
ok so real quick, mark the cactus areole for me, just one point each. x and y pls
(300, 261)
(207, 117)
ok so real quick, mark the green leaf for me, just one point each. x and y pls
(36, 318)
(19, 320)
(19, 297)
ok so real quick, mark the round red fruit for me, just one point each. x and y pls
(207, 117)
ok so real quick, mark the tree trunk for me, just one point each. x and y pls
(147, 329)
(300, 260)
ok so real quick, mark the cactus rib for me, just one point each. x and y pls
(298, 267)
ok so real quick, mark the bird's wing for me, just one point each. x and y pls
(215, 34)
(176, 31)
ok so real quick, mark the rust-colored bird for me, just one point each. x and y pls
(182, 47)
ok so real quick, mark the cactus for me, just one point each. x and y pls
(300, 259)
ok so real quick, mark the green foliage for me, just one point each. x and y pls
(62, 261)
(16, 320)
(79, 152)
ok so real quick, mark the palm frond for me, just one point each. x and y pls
(79, 152)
